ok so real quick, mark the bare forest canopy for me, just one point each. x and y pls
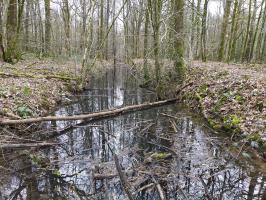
(224, 30)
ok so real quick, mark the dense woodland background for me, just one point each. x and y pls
(224, 30)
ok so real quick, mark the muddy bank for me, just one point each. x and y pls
(232, 99)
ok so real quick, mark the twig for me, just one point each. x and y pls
(159, 188)
(145, 187)
(174, 126)
(104, 176)
(241, 149)
(184, 194)
(123, 180)
(167, 115)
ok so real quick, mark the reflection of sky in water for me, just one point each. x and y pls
(83, 147)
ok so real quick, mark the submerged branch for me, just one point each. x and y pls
(123, 179)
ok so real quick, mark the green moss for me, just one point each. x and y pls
(203, 90)
(232, 120)
(263, 147)
(222, 100)
(160, 156)
(240, 99)
(214, 124)
(256, 138)
(27, 91)
(24, 111)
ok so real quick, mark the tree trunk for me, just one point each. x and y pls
(146, 40)
(255, 39)
(3, 35)
(193, 26)
(204, 32)
(41, 32)
(248, 32)
(155, 14)
(47, 26)
(107, 26)
(66, 17)
(27, 25)
(179, 42)
(125, 23)
(198, 28)
(234, 26)
(11, 51)
(262, 38)
(114, 33)
(225, 23)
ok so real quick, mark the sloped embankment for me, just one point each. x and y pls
(232, 98)
(33, 87)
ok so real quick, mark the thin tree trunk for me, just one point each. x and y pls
(66, 17)
(27, 25)
(198, 28)
(262, 44)
(47, 26)
(204, 32)
(107, 25)
(222, 45)
(255, 39)
(245, 49)
(234, 26)
(114, 33)
(41, 32)
(101, 31)
(193, 26)
(145, 54)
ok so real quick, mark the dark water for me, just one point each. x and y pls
(197, 165)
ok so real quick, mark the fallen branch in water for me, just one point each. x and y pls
(145, 187)
(90, 116)
(94, 116)
(159, 189)
(25, 145)
(10, 115)
(29, 75)
(104, 176)
(123, 179)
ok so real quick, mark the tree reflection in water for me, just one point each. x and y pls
(202, 169)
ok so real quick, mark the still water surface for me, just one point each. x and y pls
(197, 164)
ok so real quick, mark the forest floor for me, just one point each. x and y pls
(33, 87)
(232, 97)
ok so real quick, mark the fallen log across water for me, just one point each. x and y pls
(93, 116)
(90, 116)
(25, 145)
